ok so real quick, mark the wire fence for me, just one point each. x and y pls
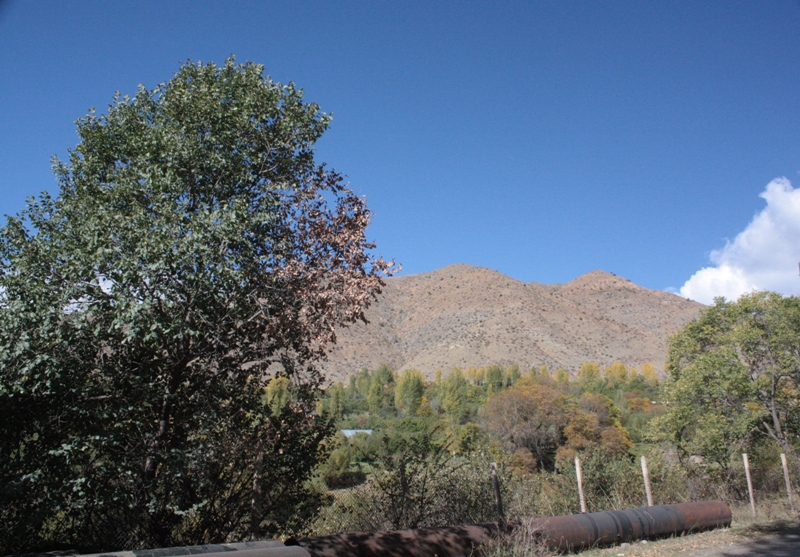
(460, 491)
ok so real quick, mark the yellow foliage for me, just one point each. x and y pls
(639, 405)
(425, 410)
(277, 393)
(590, 372)
(649, 373)
(616, 374)
(522, 461)
(616, 440)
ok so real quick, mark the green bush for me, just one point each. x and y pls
(423, 486)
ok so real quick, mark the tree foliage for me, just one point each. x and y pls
(409, 391)
(381, 391)
(529, 416)
(195, 250)
(542, 421)
(454, 396)
(552, 424)
(416, 483)
(734, 375)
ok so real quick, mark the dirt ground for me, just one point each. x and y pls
(780, 538)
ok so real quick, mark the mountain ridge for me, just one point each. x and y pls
(463, 315)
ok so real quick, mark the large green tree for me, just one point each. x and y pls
(734, 378)
(195, 251)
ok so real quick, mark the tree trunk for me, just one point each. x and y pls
(257, 502)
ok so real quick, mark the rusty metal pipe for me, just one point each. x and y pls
(560, 533)
(582, 531)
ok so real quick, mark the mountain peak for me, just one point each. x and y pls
(463, 315)
(600, 281)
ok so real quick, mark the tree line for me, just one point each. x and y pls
(533, 420)
(731, 385)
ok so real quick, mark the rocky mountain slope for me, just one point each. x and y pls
(465, 316)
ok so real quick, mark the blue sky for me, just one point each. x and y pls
(540, 139)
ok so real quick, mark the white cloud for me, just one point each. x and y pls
(764, 256)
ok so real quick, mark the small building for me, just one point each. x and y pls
(350, 432)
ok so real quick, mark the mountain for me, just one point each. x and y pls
(465, 316)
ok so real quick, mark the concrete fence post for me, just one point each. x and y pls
(646, 476)
(788, 481)
(579, 473)
(749, 483)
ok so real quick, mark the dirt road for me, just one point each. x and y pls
(781, 539)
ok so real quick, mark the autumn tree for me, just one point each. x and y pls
(540, 371)
(589, 378)
(542, 417)
(649, 374)
(195, 251)
(528, 416)
(593, 424)
(616, 374)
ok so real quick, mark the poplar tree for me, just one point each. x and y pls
(454, 400)
(409, 391)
